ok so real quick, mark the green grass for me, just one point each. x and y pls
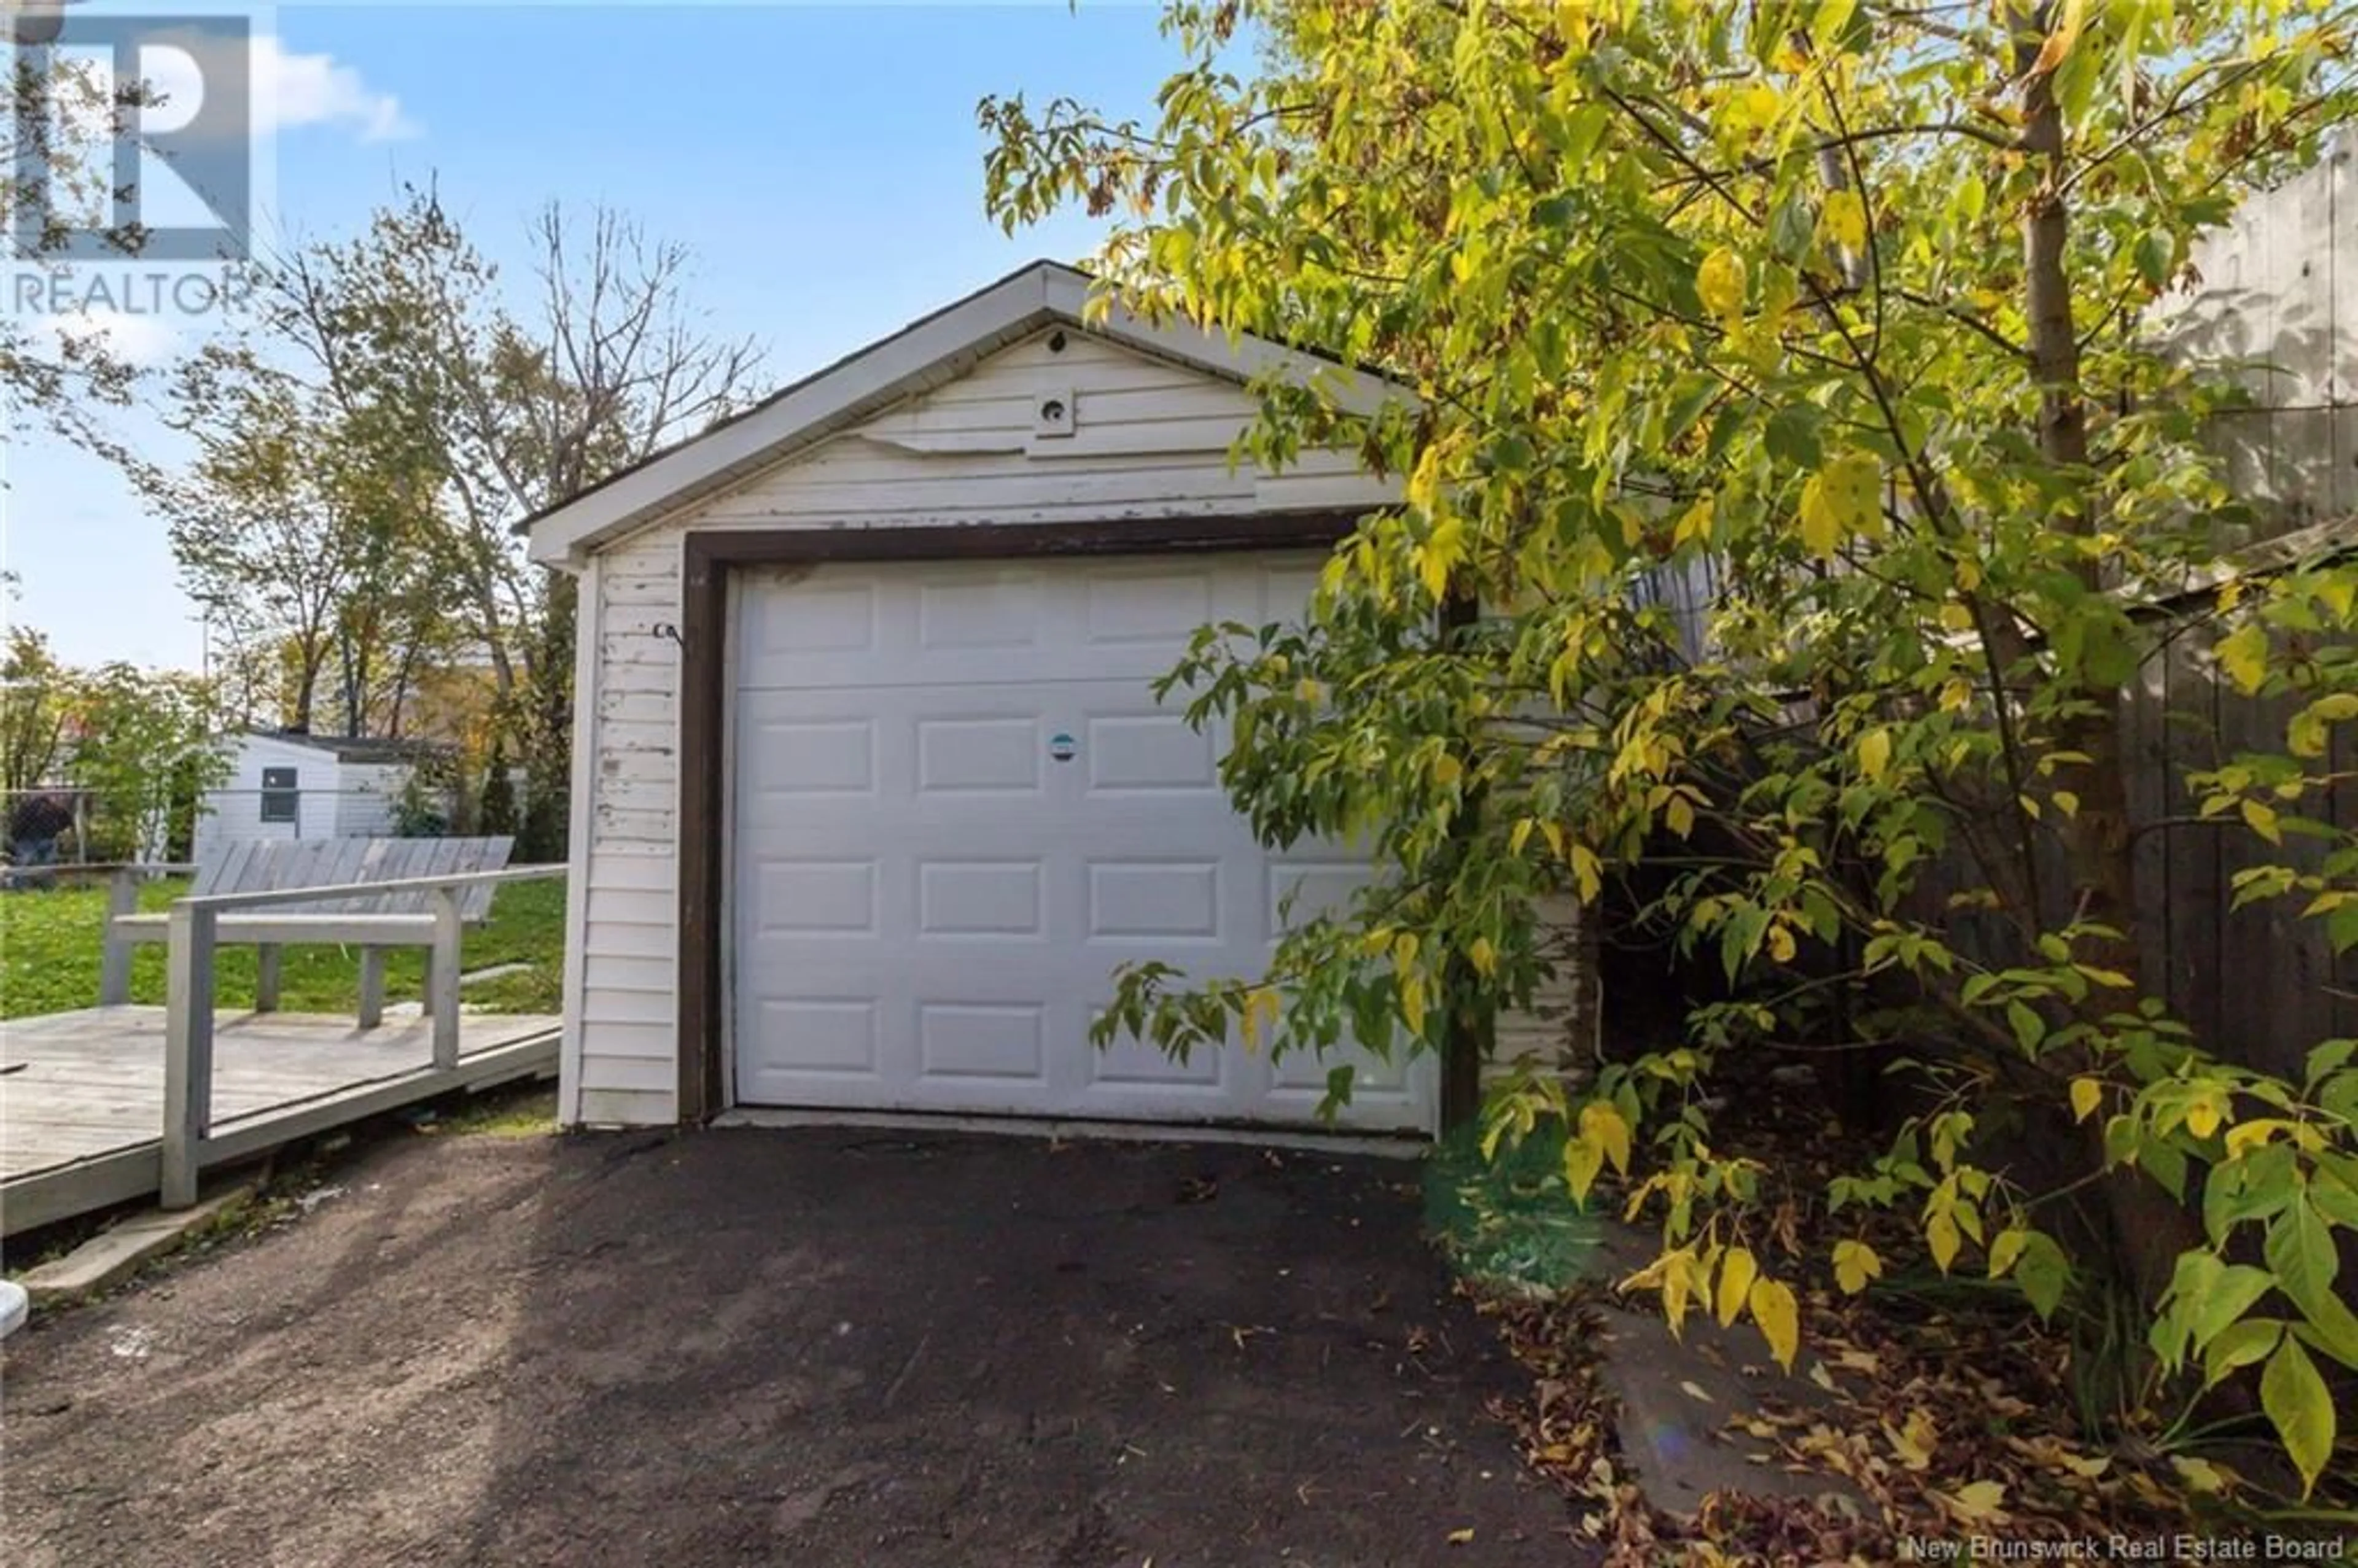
(527, 1112)
(50, 942)
(1510, 1221)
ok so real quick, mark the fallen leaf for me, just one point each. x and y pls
(1460, 1537)
(1693, 1392)
(1975, 1502)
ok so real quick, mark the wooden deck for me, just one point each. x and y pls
(81, 1094)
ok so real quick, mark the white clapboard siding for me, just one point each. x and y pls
(1151, 440)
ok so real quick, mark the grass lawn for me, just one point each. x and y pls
(50, 942)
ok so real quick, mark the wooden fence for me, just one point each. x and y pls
(2274, 301)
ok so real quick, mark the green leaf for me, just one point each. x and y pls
(1791, 435)
(2328, 1057)
(2300, 1249)
(2239, 1347)
(2154, 254)
(2227, 1299)
(2043, 1273)
(2301, 1408)
(2029, 1029)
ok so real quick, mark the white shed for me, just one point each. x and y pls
(285, 785)
(871, 793)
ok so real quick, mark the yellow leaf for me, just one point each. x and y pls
(2087, 1094)
(2067, 803)
(2203, 1116)
(1521, 835)
(1588, 871)
(1842, 499)
(1679, 816)
(2199, 1473)
(1259, 1012)
(1737, 1269)
(1695, 522)
(2262, 820)
(1446, 770)
(1855, 1263)
(2006, 1251)
(1781, 945)
(1583, 1161)
(1440, 554)
(1424, 480)
(1975, 1501)
(1843, 219)
(1956, 618)
(1875, 752)
(2244, 655)
(2246, 1135)
(1600, 1124)
(1720, 282)
(1460, 1537)
(2060, 40)
(1482, 956)
(1780, 1317)
(1755, 108)
(1941, 1235)
(1411, 1002)
(1677, 1286)
(1913, 1442)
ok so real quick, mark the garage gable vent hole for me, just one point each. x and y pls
(1055, 414)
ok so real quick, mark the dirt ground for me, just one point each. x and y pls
(803, 1348)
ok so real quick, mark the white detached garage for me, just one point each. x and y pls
(871, 790)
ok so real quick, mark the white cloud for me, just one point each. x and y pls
(313, 90)
(289, 90)
(139, 339)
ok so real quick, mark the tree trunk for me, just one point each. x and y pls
(2148, 1228)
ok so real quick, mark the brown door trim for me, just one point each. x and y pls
(711, 556)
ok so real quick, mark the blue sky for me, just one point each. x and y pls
(822, 163)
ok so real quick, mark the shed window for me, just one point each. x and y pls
(279, 796)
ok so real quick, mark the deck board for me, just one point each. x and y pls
(81, 1094)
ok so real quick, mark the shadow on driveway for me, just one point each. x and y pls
(805, 1347)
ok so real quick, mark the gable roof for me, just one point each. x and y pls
(925, 353)
(356, 747)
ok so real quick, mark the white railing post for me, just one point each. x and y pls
(372, 1004)
(188, 1052)
(115, 964)
(442, 978)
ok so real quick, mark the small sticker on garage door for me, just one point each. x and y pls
(1061, 747)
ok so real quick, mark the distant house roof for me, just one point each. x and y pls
(358, 748)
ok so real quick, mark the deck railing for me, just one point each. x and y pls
(194, 937)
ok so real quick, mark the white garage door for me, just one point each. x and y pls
(957, 807)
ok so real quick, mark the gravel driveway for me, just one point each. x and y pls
(803, 1348)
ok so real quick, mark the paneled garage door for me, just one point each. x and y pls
(957, 807)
